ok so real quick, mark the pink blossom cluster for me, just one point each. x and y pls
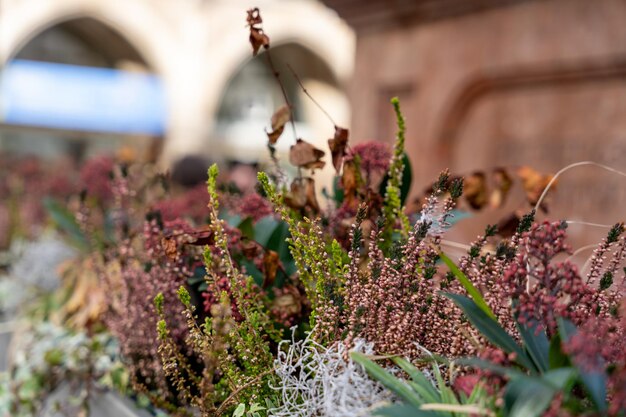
(396, 302)
(192, 204)
(24, 183)
(600, 346)
(374, 157)
(542, 289)
(96, 175)
(146, 266)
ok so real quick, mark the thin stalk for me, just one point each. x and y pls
(306, 92)
(567, 168)
(581, 249)
(282, 89)
(584, 223)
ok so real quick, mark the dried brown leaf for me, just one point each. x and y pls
(502, 182)
(271, 263)
(533, 183)
(337, 146)
(349, 179)
(305, 155)
(258, 38)
(475, 190)
(170, 248)
(302, 194)
(279, 120)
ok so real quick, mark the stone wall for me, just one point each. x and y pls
(541, 83)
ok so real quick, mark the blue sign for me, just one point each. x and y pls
(81, 98)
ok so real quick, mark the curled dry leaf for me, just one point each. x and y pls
(170, 248)
(534, 183)
(305, 155)
(350, 180)
(87, 300)
(279, 120)
(302, 195)
(271, 263)
(258, 38)
(502, 182)
(289, 302)
(337, 146)
(250, 248)
(475, 190)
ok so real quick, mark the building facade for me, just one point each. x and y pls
(488, 83)
(197, 48)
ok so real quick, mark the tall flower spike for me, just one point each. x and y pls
(392, 206)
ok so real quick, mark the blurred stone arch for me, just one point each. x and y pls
(251, 95)
(23, 22)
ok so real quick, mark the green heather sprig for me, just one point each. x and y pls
(392, 206)
(319, 264)
(231, 361)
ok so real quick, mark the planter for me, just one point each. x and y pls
(101, 404)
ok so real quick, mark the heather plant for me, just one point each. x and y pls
(235, 357)
(546, 359)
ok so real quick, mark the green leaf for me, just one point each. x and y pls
(527, 397)
(469, 287)
(404, 410)
(232, 219)
(537, 345)
(561, 378)
(65, 220)
(556, 357)
(256, 407)
(491, 329)
(252, 270)
(240, 410)
(338, 193)
(392, 383)
(407, 178)
(278, 241)
(419, 381)
(263, 229)
(247, 228)
(594, 381)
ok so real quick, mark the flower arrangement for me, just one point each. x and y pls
(264, 302)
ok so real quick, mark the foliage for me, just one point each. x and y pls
(425, 394)
(189, 295)
(234, 354)
(51, 357)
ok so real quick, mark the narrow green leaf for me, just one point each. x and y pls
(527, 397)
(560, 378)
(277, 241)
(404, 410)
(594, 381)
(240, 410)
(490, 366)
(537, 345)
(252, 270)
(556, 357)
(246, 227)
(420, 383)
(65, 220)
(263, 229)
(469, 287)
(392, 383)
(407, 178)
(491, 329)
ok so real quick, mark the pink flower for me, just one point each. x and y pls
(95, 177)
